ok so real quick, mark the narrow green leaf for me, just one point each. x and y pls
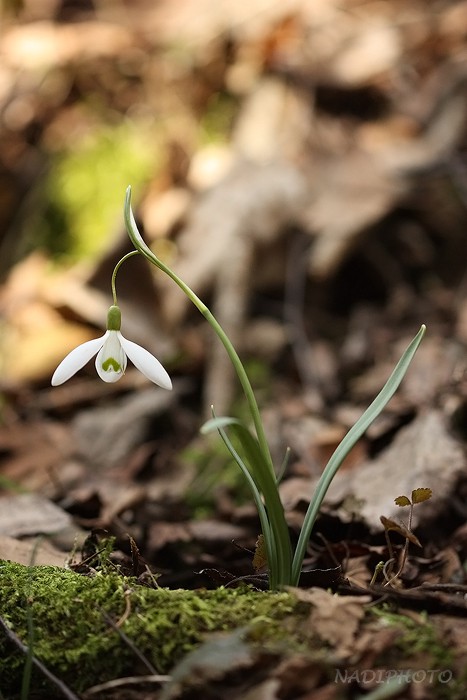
(354, 434)
(284, 465)
(264, 478)
(258, 465)
(263, 516)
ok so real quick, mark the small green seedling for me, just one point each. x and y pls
(418, 496)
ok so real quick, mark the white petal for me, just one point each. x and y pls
(76, 359)
(111, 359)
(146, 363)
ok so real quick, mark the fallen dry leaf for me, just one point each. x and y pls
(213, 659)
(300, 674)
(33, 451)
(268, 690)
(423, 453)
(29, 553)
(31, 514)
(335, 618)
(106, 436)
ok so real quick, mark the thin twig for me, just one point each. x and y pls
(128, 641)
(131, 680)
(403, 556)
(43, 669)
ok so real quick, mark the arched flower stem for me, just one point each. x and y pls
(116, 269)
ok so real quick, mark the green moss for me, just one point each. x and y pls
(74, 640)
(418, 637)
(420, 643)
(84, 189)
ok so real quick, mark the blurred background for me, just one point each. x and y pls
(301, 164)
(275, 150)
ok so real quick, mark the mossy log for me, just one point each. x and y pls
(81, 624)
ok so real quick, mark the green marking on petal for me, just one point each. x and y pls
(110, 363)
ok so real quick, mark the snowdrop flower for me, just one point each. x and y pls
(112, 351)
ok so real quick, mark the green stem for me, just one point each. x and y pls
(116, 269)
(273, 503)
(142, 248)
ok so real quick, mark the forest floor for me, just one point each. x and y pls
(302, 166)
